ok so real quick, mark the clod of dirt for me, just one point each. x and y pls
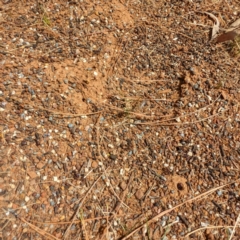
(94, 164)
(139, 194)
(123, 185)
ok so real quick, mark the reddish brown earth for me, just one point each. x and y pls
(118, 120)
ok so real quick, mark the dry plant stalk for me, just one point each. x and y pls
(79, 206)
(234, 228)
(39, 230)
(208, 227)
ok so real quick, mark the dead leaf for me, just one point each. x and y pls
(228, 36)
(236, 23)
(216, 25)
(230, 33)
(225, 95)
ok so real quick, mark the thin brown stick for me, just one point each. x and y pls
(142, 99)
(54, 112)
(79, 206)
(170, 210)
(39, 230)
(105, 231)
(100, 155)
(208, 227)
(84, 228)
(147, 80)
(176, 124)
(117, 207)
(184, 123)
(130, 112)
(79, 221)
(69, 114)
(119, 48)
(165, 120)
(186, 36)
(234, 228)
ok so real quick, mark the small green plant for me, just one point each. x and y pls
(46, 19)
(44, 16)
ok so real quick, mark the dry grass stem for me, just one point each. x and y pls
(234, 228)
(79, 207)
(39, 230)
(208, 227)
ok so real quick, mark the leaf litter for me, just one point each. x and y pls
(230, 33)
(216, 25)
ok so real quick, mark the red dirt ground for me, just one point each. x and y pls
(118, 120)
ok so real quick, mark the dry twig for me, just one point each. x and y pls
(79, 206)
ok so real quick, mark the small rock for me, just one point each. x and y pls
(70, 125)
(36, 195)
(196, 86)
(113, 157)
(52, 202)
(190, 154)
(52, 188)
(55, 179)
(219, 193)
(32, 174)
(123, 185)
(162, 75)
(44, 178)
(139, 194)
(27, 199)
(40, 165)
(94, 164)
(178, 119)
(73, 227)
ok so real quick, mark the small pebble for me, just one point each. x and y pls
(70, 125)
(73, 227)
(27, 199)
(122, 171)
(190, 153)
(55, 179)
(178, 119)
(123, 185)
(52, 202)
(219, 193)
(113, 157)
(139, 194)
(94, 164)
(32, 174)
